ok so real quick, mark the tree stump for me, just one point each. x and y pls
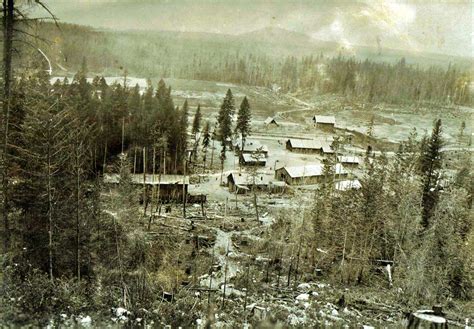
(426, 319)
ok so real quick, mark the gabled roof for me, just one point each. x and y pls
(305, 171)
(327, 149)
(328, 119)
(311, 170)
(258, 157)
(270, 120)
(312, 144)
(349, 159)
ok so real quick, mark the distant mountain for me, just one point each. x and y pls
(276, 35)
(167, 53)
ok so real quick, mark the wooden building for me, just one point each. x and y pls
(349, 161)
(170, 186)
(307, 174)
(257, 159)
(309, 146)
(271, 122)
(242, 183)
(324, 122)
(251, 147)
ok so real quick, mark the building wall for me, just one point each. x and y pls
(302, 150)
(325, 126)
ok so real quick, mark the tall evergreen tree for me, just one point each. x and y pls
(183, 131)
(225, 115)
(243, 121)
(206, 141)
(224, 120)
(430, 165)
(197, 121)
(195, 130)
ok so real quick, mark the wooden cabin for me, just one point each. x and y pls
(324, 122)
(307, 174)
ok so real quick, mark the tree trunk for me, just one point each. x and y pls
(212, 155)
(426, 319)
(255, 204)
(8, 21)
(184, 188)
(50, 215)
(78, 200)
(145, 199)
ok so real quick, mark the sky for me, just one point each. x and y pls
(416, 25)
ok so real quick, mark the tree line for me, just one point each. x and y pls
(363, 80)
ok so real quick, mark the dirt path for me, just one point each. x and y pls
(225, 254)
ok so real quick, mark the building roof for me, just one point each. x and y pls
(327, 149)
(270, 120)
(311, 170)
(349, 159)
(245, 179)
(311, 144)
(345, 185)
(305, 171)
(258, 157)
(149, 179)
(328, 119)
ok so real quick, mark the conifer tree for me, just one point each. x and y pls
(197, 121)
(430, 165)
(195, 130)
(183, 132)
(225, 124)
(206, 140)
(243, 121)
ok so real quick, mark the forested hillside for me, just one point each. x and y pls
(153, 205)
(284, 60)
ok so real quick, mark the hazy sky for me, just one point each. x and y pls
(435, 25)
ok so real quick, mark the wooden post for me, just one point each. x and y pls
(184, 189)
(246, 291)
(210, 282)
(225, 276)
(123, 133)
(144, 182)
(135, 161)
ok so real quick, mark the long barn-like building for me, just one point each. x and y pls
(309, 146)
(307, 174)
(171, 186)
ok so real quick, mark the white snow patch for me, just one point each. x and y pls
(85, 321)
(304, 287)
(302, 297)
